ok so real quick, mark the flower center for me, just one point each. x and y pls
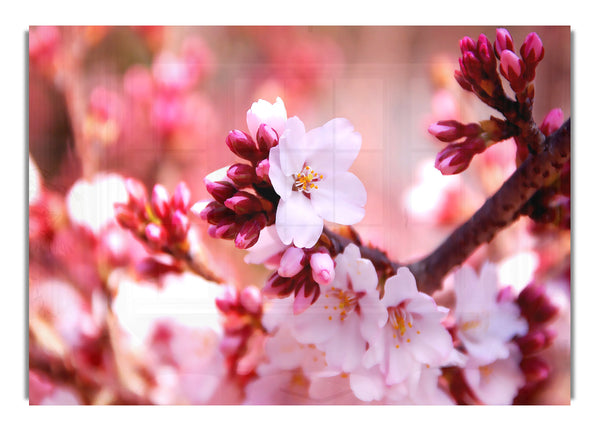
(305, 181)
(401, 322)
(348, 302)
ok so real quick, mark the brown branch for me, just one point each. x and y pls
(497, 212)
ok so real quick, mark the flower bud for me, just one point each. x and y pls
(156, 235)
(446, 131)
(242, 175)
(532, 50)
(535, 369)
(279, 286)
(512, 68)
(220, 190)
(466, 44)
(226, 229)
(227, 299)
(137, 194)
(291, 262)
(322, 268)
(266, 137)
(485, 52)
(179, 226)
(305, 296)
(552, 121)
(503, 41)
(262, 170)
(126, 218)
(471, 66)
(455, 158)
(535, 341)
(244, 203)
(214, 212)
(249, 232)
(242, 145)
(462, 81)
(160, 201)
(251, 299)
(181, 197)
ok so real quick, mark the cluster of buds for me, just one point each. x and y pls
(244, 200)
(301, 272)
(243, 336)
(539, 311)
(518, 71)
(466, 141)
(162, 222)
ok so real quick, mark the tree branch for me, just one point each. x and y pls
(497, 212)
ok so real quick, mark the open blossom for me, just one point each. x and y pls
(485, 325)
(348, 313)
(262, 112)
(309, 171)
(413, 332)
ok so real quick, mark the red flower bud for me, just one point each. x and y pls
(462, 81)
(486, 54)
(446, 131)
(220, 190)
(535, 369)
(179, 226)
(266, 137)
(251, 299)
(552, 121)
(532, 50)
(242, 175)
(156, 235)
(181, 197)
(503, 41)
(242, 145)
(467, 44)
(248, 234)
(160, 201)
(244, 203)
(126, 218)
(137, 194)
(455, 158)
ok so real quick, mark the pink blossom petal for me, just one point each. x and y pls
(281, 183)
(292, 145)
(333, 147)
(340, 199)
(297, 222)
(399, 287)
(367, 385)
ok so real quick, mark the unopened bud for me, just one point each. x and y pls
(552, 121)
(251, 299)
(322, 268)
(126, 218)
(466, 44)
(250, 231)
(262, 170)
(532, 50)
(244, 203)
(486, 54)
(220, 190)
(446, 131)
(227, 299)
(242, 145)
(462, 81)
(160, 201)
(181, 197)
(535, 369)
(137, 194)
(503, 41)
(214, 212)
(535, 341)
(179, 226)
(455, 158)
(156, 235)
(242, 175)
(512, 68)
(266, 137)
(291, 262)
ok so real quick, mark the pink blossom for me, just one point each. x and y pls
(348, 313)
(484, 325)
(413, 332)
(262, 112)
(308, 171)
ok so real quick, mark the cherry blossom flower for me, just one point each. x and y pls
(413, 332)
(499, 382)
(420, 388)
(348, 313)
(484, 325)
(308, 171)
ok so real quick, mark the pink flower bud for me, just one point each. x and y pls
(220, 190)
(446, 131)
(471, 66)
(535, 341)
(279, 286)
(227, 299)
(126, 218)
(160, 201)
(532, 50)
(249, 232)
(291, 262)
(486, 54)
(179, 226)
(306, 296)
(214, 212)
(455, 158)
(156, 235)
(242, 175)
(251, 299)
(462, 81)
(467, 44)
(181, 197)
(552, 121)
(266, 137)
(226, 229)
(322, 268)
(244, 203)
(137, 194)
(535, 369)
(242, 145)
(510, 65)
(503, 41)
(262, 170)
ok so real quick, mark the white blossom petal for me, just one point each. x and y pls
(273, 115)
(292, 145)
(340, 199)
(297, 222)
(281, 183)
(333, 147)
